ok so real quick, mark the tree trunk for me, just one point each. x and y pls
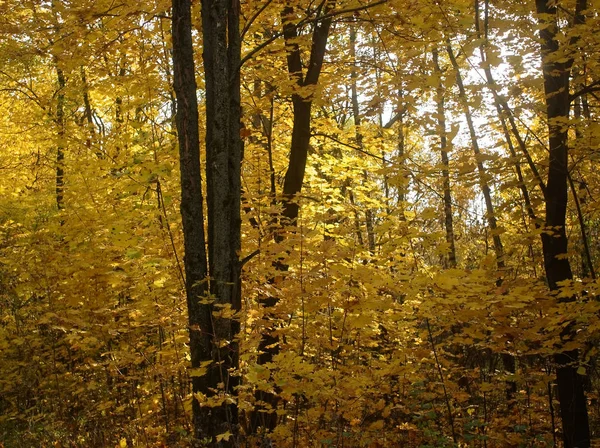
(507, 359)
(500, 103)
(60, 145)
(358, 135)
(212, 331)
(441, 116)
(88, 115)
(302, 104)
(485, 189)
(573, 408)
(220, 31)
(192, 214)
(586, 257)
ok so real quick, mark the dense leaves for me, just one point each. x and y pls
(382, 339)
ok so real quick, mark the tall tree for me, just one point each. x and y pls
(508, 360)
(192, 213)
(221, 45)
(214, 350)
(483, 175)
(556, 74)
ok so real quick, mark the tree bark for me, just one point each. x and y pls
(192, 213)
(302, 104)
(213, 342)
(556, 73)
(60, 146)
(220, 31)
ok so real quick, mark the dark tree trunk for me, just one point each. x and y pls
(302, 104)
(220, 31)
(192, 214)
(213, 343)
(60, 146)
(573, 408)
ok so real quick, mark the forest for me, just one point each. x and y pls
(299, 223)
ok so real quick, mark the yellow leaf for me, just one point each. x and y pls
(197, 372)
(376, 426)
(225, 436)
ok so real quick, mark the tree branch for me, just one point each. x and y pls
(356, 148)
(261, 46)
(593, 87)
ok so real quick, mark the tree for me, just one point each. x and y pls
(213, 288)
(133, 311)
(294, 177)
(556, 74)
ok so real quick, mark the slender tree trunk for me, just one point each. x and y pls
(483, 176)
(556, 73)
(59, 119)
(586, 256)
(192, 213)
(499, 103)
(401, 154)
(358, 134)
(88, 114)
(507, 360)
(441, 116)
(302, 104)
(60, 145)
(505, 115)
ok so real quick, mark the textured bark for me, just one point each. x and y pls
(573, 407)
(220, 31)
(212, 339)
(192, 214)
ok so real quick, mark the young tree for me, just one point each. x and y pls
(302, 101)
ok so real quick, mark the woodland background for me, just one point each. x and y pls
(408, 301)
